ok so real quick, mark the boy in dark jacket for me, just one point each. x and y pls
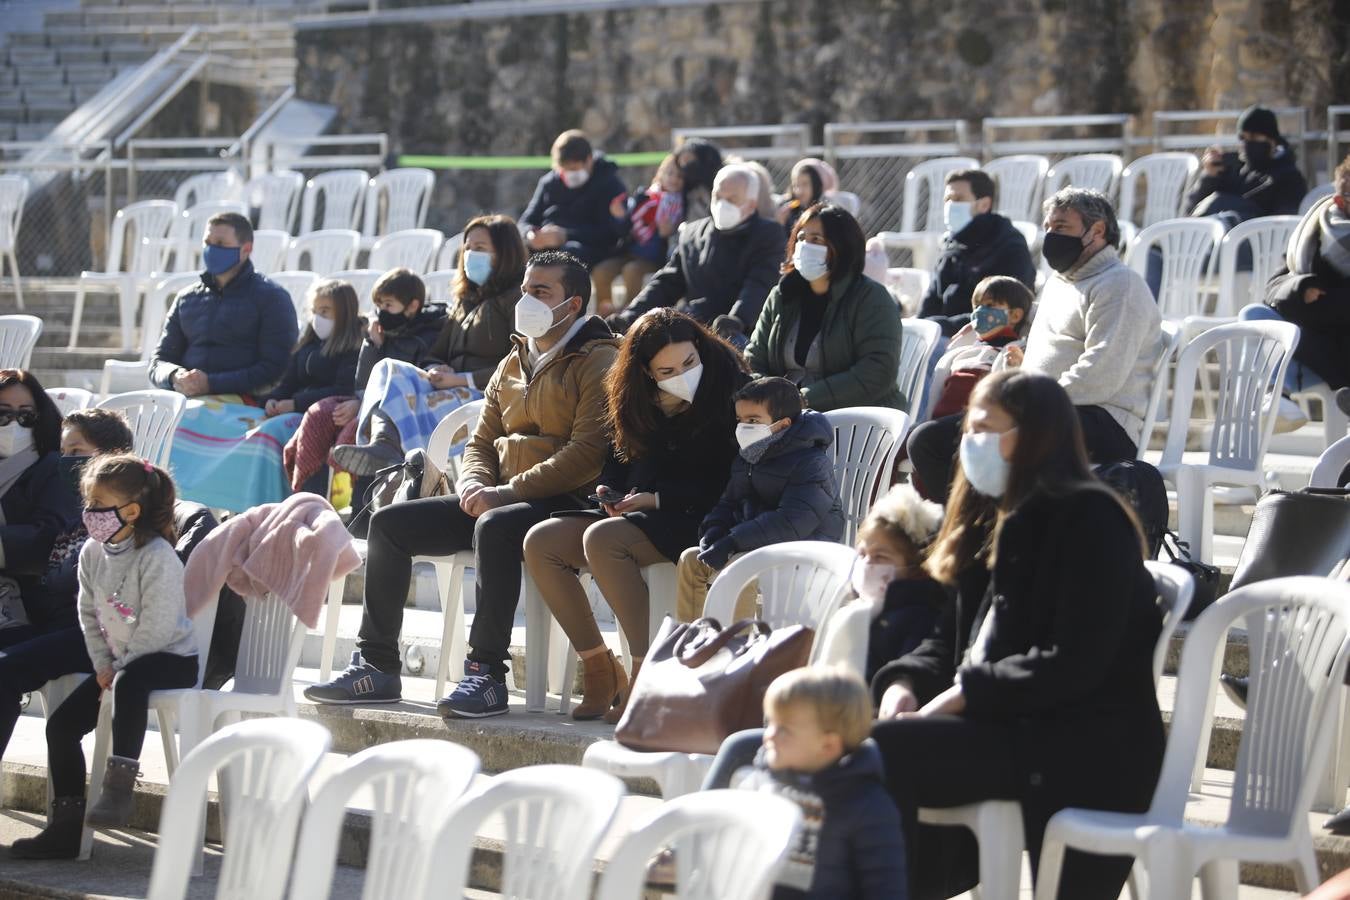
(579, 206)
(781, 488)
(816, 754)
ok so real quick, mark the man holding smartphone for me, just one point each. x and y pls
(1262, 179)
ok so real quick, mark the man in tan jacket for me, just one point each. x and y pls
(538, 449)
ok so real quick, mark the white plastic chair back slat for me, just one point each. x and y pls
(924, 184)
(455, 428)
(276, 196)
(918, 341)
(1267, 236)
(1189, 257)
(1093, 171)
(728, 846)
(267, 765)
(362, 280)
(269, 250)
(1166, 176)
(297, 284)
(908, 286)
(847, 199)
(143, 229)
(413, 785)
(1171, 340)
(269, 647)
(189, 228)
(413, 248)
(326, 251)
(1327, 472)
(13, 194)
(439, 285)
(209, 187)
(403, 196)
(1175, 588)
(448, 259)
(1020, 181)
(18, 336)
(867, 440)
(153, 416)
(68, 400)
(342, 192)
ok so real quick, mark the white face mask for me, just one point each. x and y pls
(683, 385)
(14, 438)
(811, 260)
(870, 581)
(983, 463)
(534, 317)
(748, 435)
(323, 327)
(956, 214)
(575, 178)
(726, 215)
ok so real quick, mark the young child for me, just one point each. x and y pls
(889, 574)
(817, 754)
(324, 362)
(781, 488)
(131, 609)
(653, 215)
(993, 341)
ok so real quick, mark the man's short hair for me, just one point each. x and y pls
(572, 146)
(1091, 205)
(748, 176)
(835, 694)
(106, 429)
(403, 285)
(981, 185)
(243, 228)
(576, 278)
(782, 397)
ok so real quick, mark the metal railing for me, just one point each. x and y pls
(1224, 130)
(1058, 136)
(1336, 136)
(873, 158)
(301, 160)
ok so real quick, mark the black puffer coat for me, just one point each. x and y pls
(411, 344)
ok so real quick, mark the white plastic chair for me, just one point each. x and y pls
(269, 250)
(800, 583)
(276, 196)
(847, 199)
(140, 233)
(439, 285)
(412, 248)
(326, 251)
(342, 191)
(448, 259)
(918, 234)
(413, 785)
(1327, 471)
(1030, 231)
(1171, 341)
(867, 439)
(68, 400)
(1166, 176)
(1189, 258)
(1020, 180)
(1298, 647)
(403, 196)
(1251, 359)
(265, 767)
(185, 239)
(297, 284)
(553, 818)
(13, 193)
(362, 281)
(18, 336)
(120, 375)
(728, 845)
(918, 342)
(208, 187)
(1095, 171)
(153, 416)
(908, 286)
(1267, 237)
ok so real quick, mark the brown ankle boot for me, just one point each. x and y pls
(615, 713)
(603, 685)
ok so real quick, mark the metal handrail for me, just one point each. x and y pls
(162, 100)
(991, 147)
(243, 144)
(833, 150)
(147, 70)
(1335, 136)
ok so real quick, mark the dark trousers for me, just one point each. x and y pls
(933, 447)
(25, 667)
(78, 716)
(436, 526)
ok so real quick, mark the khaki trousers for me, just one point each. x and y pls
(693, 578)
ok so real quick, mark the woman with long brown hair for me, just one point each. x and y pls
(672, 437)
(1038, 678)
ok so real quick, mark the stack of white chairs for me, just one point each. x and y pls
(926, 181)
(139, 238)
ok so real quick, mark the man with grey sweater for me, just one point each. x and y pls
(1097, 331)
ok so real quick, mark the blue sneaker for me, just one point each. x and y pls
(477, 696)
(360, 682)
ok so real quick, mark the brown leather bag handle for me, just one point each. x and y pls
(697, 656)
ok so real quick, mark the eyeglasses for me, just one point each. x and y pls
(25, 417)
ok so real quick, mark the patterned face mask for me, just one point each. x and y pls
(102, 522)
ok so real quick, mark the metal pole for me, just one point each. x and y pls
(131, 172)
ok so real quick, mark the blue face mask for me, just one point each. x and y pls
(988, 318)
(219, 260)
(477, 266)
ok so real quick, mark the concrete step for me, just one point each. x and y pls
(60, 359)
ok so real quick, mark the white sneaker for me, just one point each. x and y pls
(1289, 416)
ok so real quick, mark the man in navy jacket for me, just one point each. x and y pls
(579, 205)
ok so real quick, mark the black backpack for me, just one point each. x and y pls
(1141, 486)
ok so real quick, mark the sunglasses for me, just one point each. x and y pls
(27, 418)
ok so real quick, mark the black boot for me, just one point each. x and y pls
(1339, 823)
(61, 838)
(1235, 686)
(118, 797)
(384, 450)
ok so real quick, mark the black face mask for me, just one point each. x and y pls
(392, 321)
(1257, 154)
(70, 468)
(1061, 251)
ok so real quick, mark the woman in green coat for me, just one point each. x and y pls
(826, 326)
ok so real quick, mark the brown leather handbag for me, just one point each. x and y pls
(701, 682)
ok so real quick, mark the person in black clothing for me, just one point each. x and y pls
(579, 205)
(1263, 179)
(699, 161)
(978, 243)
(672, 426)
(1038, 676)
(324, 362)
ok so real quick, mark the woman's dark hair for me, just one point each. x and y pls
(348, 326)
(702, 169)
(843, 236)
(136, 481)
(781, 397)
(47, 431)
(817, 186)
(1007, 290)
(1050, 457)
(507, 269)
(632, 411)
(106, 429)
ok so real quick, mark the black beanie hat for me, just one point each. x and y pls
(1259, 120)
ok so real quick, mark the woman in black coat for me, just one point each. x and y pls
(672, 427)
(1036, 685)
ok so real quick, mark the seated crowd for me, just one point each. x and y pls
(1012, 619)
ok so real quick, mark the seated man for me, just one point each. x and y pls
(1262, 180)
(978, 243)
(233, 334)
(724, 265)
(538, 449)
(572, 207)
(1097, 331)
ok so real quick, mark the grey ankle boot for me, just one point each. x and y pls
(384, 450)
(61, 838)
(118, 798)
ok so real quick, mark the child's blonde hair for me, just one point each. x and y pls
(835, 694)
(906, 518)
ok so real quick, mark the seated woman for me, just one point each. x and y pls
(672, 427)
(233, 459)
(826, 326)
(807, 185)
(654, 215)
(406, 396)
(1038, 677)
(699, 161)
